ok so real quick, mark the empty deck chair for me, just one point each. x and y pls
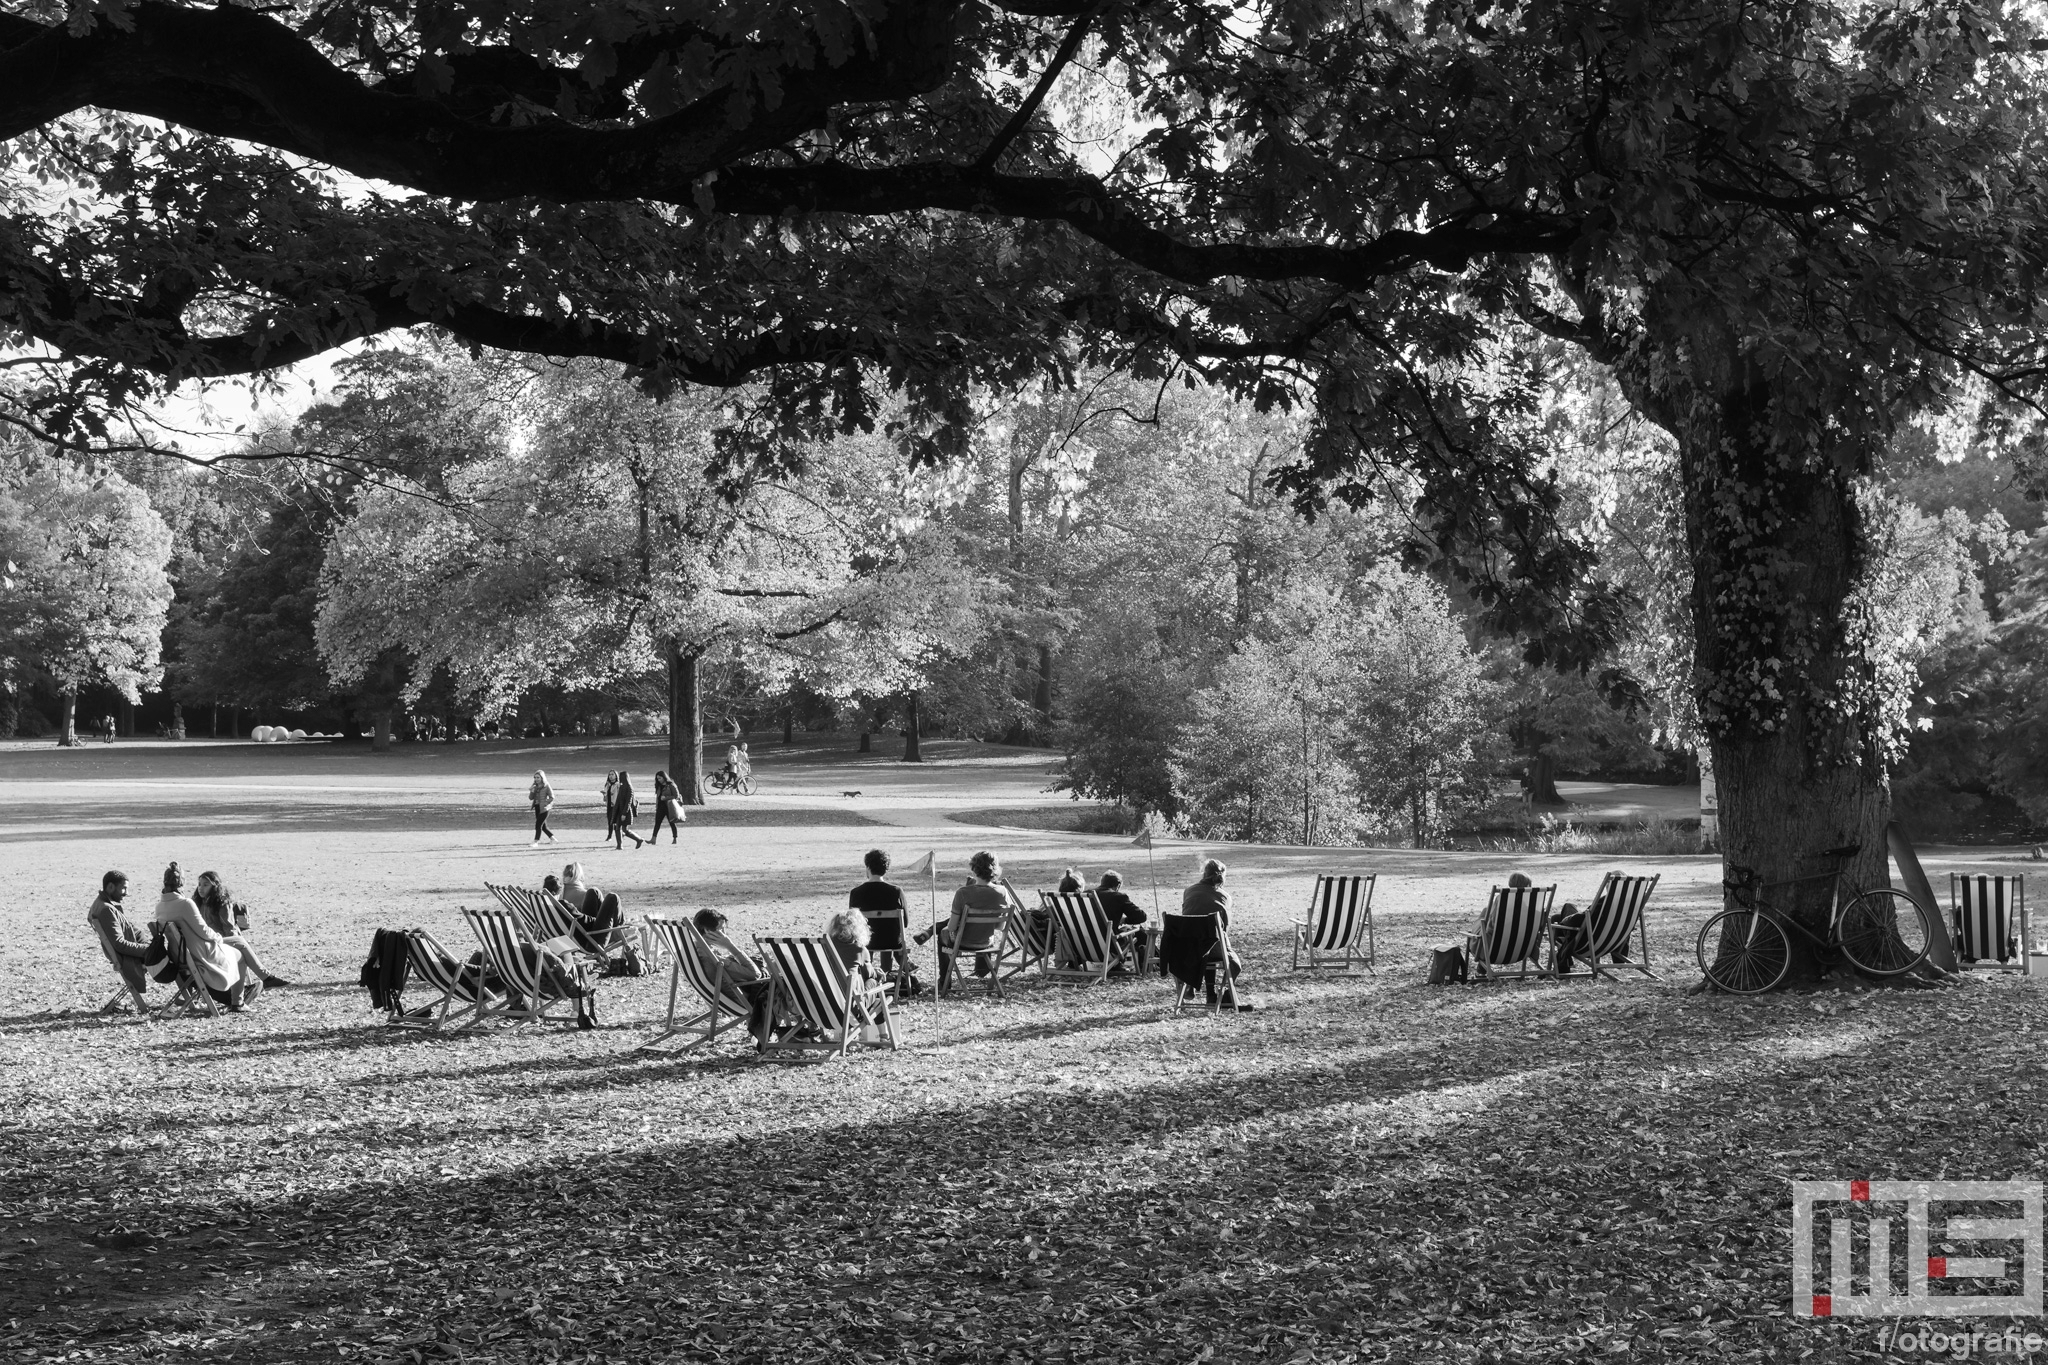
(1614, 917)
(1988, 922)
(1194, 950)
(1086, 946)
(725, 1006)
(1339, 925)
(837, 1007)
(523, 903)
(1026, 940)
(463, 994)
(1511, 931)
(536, 981)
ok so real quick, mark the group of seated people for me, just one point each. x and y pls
(209, 928)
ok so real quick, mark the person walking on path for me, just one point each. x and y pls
(541, 797)
(611, 807)
(625, 809)
(668, 805)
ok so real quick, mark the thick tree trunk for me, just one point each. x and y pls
(864, 745)
(1785, 686)
(789, 725)
(67, 737)
(380, 730)
(614, 730)
(911, 752)
(1041, 697)
(127, 730)
(1543, 782)
(686, 724)
(213, 729)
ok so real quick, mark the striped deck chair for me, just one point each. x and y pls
(1085, 944)
(525, 904)
(192, 992)
(981, 931)
(531, 990)
(727, 1005)
(1511, 931)
(839, 1007)
(1339, 918)
(1988, 920)
(1613, 918)
(443, 972)
(1026, 939)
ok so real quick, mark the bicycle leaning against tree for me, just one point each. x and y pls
(1748, 949)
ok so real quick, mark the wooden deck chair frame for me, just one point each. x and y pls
(544, 917)
(726, 1006)
(429, 962)
(900, 917)
(1339, 915)
(1522, 933)
(808, 977)
(1082, 934)
(1615, 915)
(121, 992)
(192, 992)
(498, 933)
(996, 929)
(1023, 945)
(1225, 984)
(1981, 906)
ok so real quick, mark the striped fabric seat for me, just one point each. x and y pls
(525, 905)
(1988, 920)
(1511, 931)
(1339, 924)
(726, 1006)
(430, 963)
(531, 990)
(1026, 940)
(1611, 920)
(1085, 944)
(839, 1007)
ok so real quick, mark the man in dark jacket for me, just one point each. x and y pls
(1123, 912)
(126, 946)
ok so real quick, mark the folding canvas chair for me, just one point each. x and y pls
(1193, 950)
(529, 994)
(1085, 944)
(192, 992)
(524, 904)
(443, 972)
(889, 941)
(839, 1008)
(1339, 925)
(1026, 941)
(121, 992)
(980, 931)
(547, 918)
(1988, 921)
(1511, 931)
(727, 1004)
(1613, 918)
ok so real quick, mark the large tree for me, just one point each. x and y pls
(1785, 227)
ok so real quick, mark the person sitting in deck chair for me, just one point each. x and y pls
(1209, 897)
(1570, 929)
(229, 918)
(1123, 912)
(980, 893)
(880, 901)
(216, 966)
(125, 945)
(847, 932)
(740, 968)
(572, 889)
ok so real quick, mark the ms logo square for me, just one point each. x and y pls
(1916, 1248)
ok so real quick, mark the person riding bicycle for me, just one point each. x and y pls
(737, 765)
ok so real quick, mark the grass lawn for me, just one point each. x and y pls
(1364, 1169)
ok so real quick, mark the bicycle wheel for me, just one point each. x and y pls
(1743, 952)
(1883, 932)
(746, 786)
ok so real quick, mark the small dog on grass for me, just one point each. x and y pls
(849, 793)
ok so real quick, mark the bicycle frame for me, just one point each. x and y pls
(1756, 902)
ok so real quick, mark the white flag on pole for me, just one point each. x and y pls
(927, 864)
(1144, 839)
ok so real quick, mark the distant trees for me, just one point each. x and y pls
(86, 595)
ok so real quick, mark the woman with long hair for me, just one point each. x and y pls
(541, 797)
(668, 805)
(228, 918)
(625, 809)
(217, 967)
(611, 806)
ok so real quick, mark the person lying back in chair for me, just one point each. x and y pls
(741, 970)
(126, 945)
(1123, 912)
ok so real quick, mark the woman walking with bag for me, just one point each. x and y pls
(611, 806)
(541, 797)
(668, 805)
(625, 809)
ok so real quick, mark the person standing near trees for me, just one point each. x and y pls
(668, 805)
(541, 797)
(625, 809)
